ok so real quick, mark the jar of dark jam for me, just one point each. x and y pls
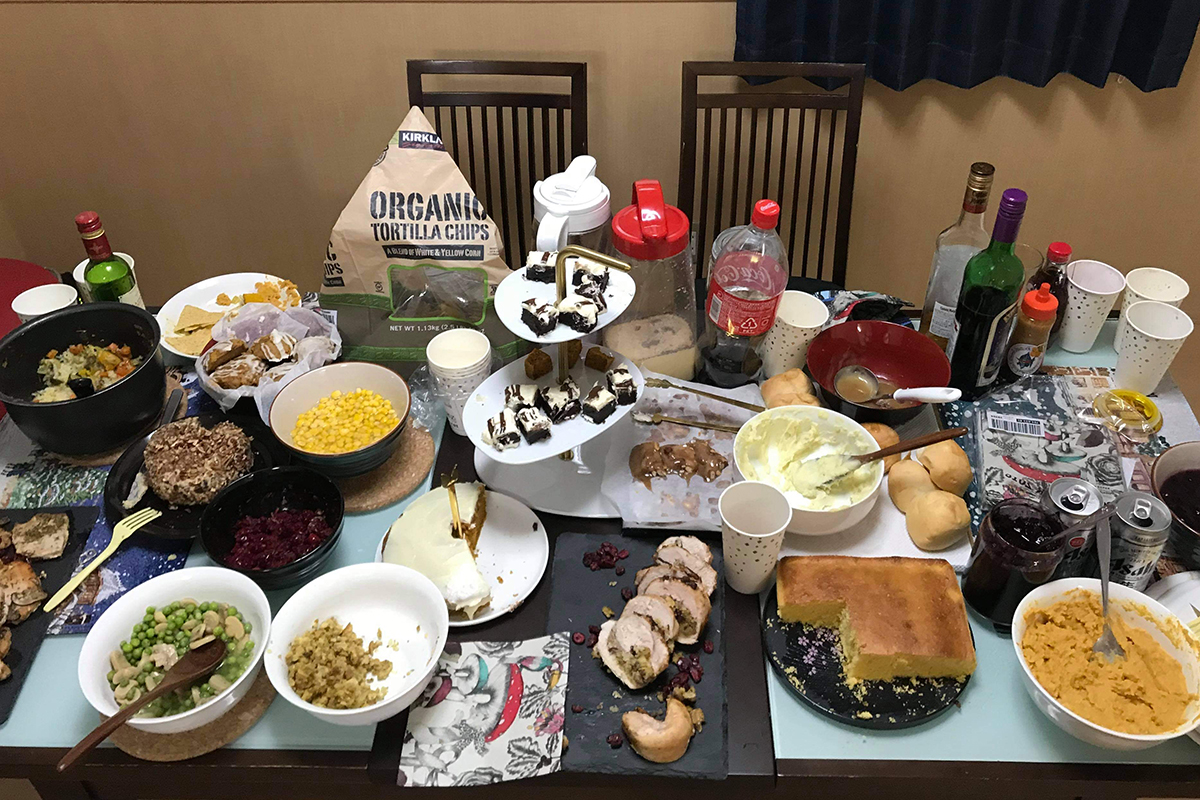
(1015, 551)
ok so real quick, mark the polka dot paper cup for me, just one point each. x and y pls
(754, 517)
(1092, 288)
(800, 317)
(1154, 333)
(1150, 283)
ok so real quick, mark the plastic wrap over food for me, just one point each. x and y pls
(317, 342)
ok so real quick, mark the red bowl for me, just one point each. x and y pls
(893, 352)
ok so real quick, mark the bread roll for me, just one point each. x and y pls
(937, 520)
(884, 437)
(791, 388)
(949, 466)
(906, 481)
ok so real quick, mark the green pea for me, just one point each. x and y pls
(232, 612)
(112, 673)
(150, 611)
(219, 630)
(136, 654)
(248, 627)
(126, 647)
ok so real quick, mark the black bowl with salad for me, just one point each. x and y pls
(84, 379)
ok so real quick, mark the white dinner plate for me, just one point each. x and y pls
(512, 554)
(1180, 593)
(515, 290)
(488, 400)
(204, 295)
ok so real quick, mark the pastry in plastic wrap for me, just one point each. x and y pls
(274, 347)
(222, 353)
(245, 370)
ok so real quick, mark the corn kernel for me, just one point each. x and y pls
(343, 422)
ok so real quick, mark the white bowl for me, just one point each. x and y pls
(819, 522)
(114, 626)
(204, 295)
(1119, 598)
(400, 602)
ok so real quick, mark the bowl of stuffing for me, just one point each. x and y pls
(84, 379)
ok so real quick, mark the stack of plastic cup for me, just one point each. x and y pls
(1149, 283)
(460, 360)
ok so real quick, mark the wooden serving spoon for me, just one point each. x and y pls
(195, 665)
(825, 470)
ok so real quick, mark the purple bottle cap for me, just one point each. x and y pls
(1012, 203)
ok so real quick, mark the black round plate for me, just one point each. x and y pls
(809, 660)
(176, 522)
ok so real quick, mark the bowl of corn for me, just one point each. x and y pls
(342, 419)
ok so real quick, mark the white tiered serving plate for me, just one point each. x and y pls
(515, 290)
(488, 401)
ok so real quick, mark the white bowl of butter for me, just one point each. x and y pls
(772, 446)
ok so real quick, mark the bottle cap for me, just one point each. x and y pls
(88, 222)
(1058, 252)
(1039, 303)
(766, 215)
(650, 229)
(1012, 203)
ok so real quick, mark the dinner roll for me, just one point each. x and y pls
(791, 388)
(936, 520)
(948, 465)
(906, 481)
(884, 437)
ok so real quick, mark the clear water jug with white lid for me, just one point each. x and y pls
(572, 207)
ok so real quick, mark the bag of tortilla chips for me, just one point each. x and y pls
(413, 253)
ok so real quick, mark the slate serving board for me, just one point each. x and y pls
(27, 637)
(809, 661)
(577, 596)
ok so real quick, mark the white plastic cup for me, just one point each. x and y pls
(79, 275)
(1153, 337)
(754, 517)
(798, 320)
(1150, 283)
(1092, 288)
(40, 300)
(460, 359)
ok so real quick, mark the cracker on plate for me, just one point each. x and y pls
(192, 343)
(192, 318)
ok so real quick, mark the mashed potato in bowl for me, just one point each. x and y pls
(772, 447)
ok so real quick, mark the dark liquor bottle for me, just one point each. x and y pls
(987, 303)
(109, 277)
(1054, 272)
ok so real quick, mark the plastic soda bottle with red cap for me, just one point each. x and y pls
(746, 277)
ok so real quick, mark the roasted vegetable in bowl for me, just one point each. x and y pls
(162, 637)
(82, 370)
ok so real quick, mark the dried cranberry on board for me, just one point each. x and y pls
(614, 741)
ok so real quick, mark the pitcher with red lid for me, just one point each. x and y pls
(658, 330)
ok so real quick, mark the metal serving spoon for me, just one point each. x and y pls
(195, 664)
(870, 381)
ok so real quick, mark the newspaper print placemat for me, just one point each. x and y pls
(492, 712)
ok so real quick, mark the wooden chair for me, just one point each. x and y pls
(497, 134)
(804, 159)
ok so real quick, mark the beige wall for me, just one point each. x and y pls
(223, 136)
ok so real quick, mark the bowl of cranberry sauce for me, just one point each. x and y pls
(276, 526)
(1175, 477)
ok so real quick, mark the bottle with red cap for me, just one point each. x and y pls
(747, 276)
(1054, 272)
(109, 277)
(1031, 336)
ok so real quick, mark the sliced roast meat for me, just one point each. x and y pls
(645, 577)
(691, 544)
(633, 650)
(659, 610)
(692, 606)
(685, 559)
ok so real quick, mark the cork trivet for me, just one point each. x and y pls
(213, 736)
(110, 458)
(393, 479)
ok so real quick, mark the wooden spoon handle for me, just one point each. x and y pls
(913, 444)
(105, 728)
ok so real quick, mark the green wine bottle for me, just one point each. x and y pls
(987, 303)
(109, 277)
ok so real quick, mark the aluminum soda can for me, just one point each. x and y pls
(1073, 500)
(1139, 533)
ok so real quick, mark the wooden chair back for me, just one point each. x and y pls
(796, 147)
(505, 141)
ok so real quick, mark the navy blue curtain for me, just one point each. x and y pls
(966, 42)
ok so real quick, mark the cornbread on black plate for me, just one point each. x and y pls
(897, 617)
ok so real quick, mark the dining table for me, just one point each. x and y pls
(993, 743)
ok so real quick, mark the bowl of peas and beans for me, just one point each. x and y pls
(139, 638)
(342, 419)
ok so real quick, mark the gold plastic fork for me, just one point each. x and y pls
(121, 531)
